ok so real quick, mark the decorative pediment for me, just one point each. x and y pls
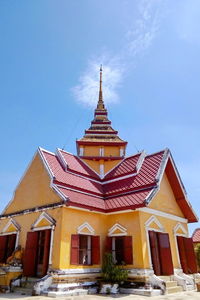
(117, 230)
(180, 230)
(44, 221)
(85, 228)
(154, 224)
(11, 226)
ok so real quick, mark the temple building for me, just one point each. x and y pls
(69, 210)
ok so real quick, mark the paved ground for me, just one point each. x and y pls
(177, 296)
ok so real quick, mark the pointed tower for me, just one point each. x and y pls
(101, 147)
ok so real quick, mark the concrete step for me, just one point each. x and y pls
(190, 287)
(75, 292)
(165, 278)
(174, 289)
(171, 283)
(23, 291)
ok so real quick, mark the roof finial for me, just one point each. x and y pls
(100, 104)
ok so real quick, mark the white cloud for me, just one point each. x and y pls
(138, 39)
(141, 36)
(87, 89)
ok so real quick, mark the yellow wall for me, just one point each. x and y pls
(165, 200)
(169, 226)
(72, 219)
(27, 220)
(34, 189)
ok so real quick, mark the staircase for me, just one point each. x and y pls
(171, 285)
(25, 286)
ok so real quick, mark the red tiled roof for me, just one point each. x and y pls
(125, 187)
(73, 180)
(145, 177)
(78, 199)
(129, 201)
(196, 236)
(75, 164)
(127, 166)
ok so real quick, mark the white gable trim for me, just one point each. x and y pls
(151, 220)
(180, 226)
(61, 158)
(123, 230)
(45, 216)
(80, 229)
(11, 222)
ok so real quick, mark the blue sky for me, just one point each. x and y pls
(49, 58)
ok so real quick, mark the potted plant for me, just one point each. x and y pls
(112, 275)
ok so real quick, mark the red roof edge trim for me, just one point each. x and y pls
(105, 211)
(86, 207)
(131, 191)
(101, 143)
(130, 207)
(74, 188)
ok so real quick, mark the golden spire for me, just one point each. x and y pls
(100, 104)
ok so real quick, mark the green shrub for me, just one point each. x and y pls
(112, 272)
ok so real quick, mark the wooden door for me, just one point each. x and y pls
(187, 255)
(11, 244)
(155, 257)
(46, 252)
(190, 256)
(182, 253)
(3, 246)
(165, 254)
(30, 254)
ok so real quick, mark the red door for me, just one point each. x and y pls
(155, 252)
(30, 254)
(187, 255)
(182, 253)
(165, 254)
(3, 246)
(161, 253)
(45, 262)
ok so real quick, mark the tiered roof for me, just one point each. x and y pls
(101, 131)
(130, 185)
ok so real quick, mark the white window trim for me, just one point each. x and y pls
(123, 230)
(87, 226)
(51, 226)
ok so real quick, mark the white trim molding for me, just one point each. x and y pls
(47, 218)
(151, 220)
(180, 226)
(86, 225)
(123, 230)
(162, 214)
(13, 223)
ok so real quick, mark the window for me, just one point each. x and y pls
(121, 249)
(85, 249)
(7, 246)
